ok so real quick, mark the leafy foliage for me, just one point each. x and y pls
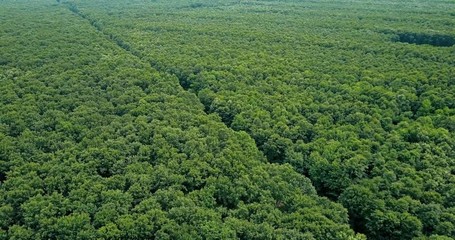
(224, 119)
(324, 86)
(96, 144)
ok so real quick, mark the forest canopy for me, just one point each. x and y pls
(186, 119)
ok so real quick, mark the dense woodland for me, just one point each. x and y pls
(185, 119)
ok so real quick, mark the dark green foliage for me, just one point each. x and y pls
(435, 40)
(155, 119)
(96, 144)
(319, 85)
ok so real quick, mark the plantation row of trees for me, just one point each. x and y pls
(96, 144)
(336, 89)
